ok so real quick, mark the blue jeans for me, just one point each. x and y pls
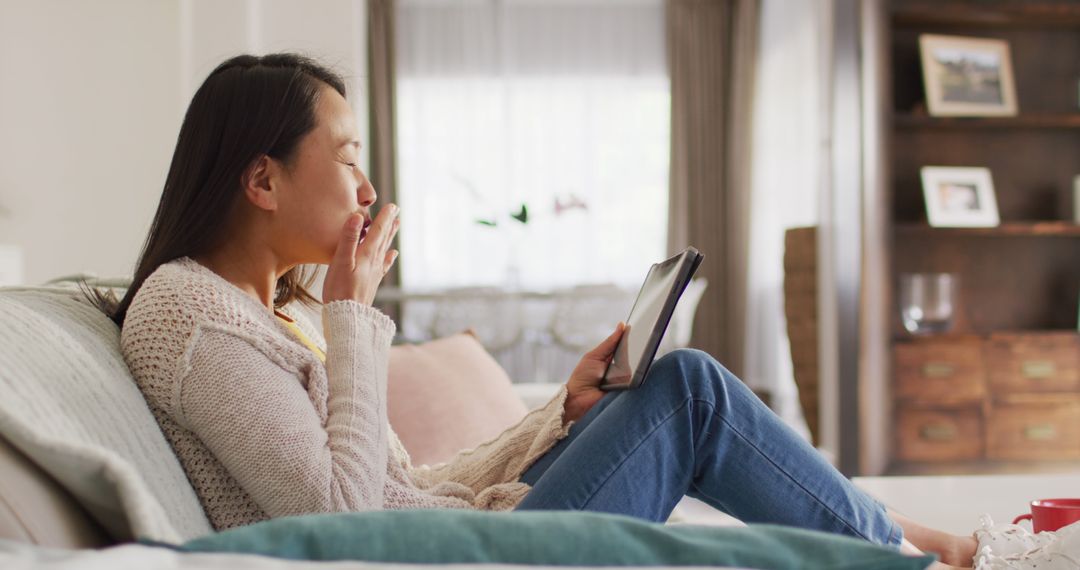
(695, 429)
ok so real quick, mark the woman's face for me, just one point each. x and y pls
(322, 185)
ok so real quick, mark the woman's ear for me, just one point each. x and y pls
(258, 186)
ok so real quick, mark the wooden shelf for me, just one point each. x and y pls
(1031, 121)
(951, 336)
(1008, 229)
(954, 336)
(985, 15)
(1045, 399)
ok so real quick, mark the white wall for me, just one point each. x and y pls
(89, 105)
(787, 147)
(91, 99)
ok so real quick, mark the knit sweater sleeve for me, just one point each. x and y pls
(506, 457)
(248, 406)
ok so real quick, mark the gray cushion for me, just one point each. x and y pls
(35, 509)
(71, 405)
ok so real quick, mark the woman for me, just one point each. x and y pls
(269, 418)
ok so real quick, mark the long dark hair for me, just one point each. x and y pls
(248, 107)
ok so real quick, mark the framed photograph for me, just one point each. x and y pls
(970, 77)
(959, 197)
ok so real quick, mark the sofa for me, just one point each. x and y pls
(87, 479)
(83, 464)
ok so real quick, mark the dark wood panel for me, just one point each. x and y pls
(1023, 121)
(1032, 170)
(1045, 67)
(986, 13)
(1013, 229)
(1005, 283)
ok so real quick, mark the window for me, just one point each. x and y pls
(560, 105)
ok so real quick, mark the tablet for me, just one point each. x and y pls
(649, 319)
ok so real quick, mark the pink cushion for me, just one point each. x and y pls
(447, 395)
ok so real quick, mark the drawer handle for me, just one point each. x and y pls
(938, 432)
(1037, 369)
(938, 370)
(1040, 432)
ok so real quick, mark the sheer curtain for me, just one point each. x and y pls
(562, 106)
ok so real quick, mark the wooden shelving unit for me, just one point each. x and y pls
(1020, 281)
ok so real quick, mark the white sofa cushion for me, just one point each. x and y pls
(70, 404)
(36, 509)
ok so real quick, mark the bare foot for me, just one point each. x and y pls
(910, 549)
(961, 551)
(953, 550)
(940, 566)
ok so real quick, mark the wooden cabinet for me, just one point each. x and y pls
(939, 370)
(931, 432)
(1018, 283)
(1026, 363)
(1003, 396)
(1004, 383)
(1045, 428)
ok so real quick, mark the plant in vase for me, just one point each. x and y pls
(518, 222)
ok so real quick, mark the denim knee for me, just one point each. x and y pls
(693, 373)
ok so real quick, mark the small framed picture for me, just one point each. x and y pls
(959, 197)
(970, 77)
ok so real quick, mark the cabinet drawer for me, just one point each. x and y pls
(942, 370)
(1032, 363)
(939, 434)
(1034, 431)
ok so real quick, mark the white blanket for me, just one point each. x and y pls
(16, 556)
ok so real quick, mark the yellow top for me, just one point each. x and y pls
(300, 335)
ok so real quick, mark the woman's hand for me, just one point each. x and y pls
(583, 388)
(357, 269)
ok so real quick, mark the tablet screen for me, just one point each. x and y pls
(642, 321)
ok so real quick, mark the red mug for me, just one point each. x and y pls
(1051, 514)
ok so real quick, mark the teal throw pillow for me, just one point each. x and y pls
(549, 538)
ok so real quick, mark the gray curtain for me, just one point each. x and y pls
(381, 80)
(711, 51)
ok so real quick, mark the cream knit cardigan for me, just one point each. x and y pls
(264, 429)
